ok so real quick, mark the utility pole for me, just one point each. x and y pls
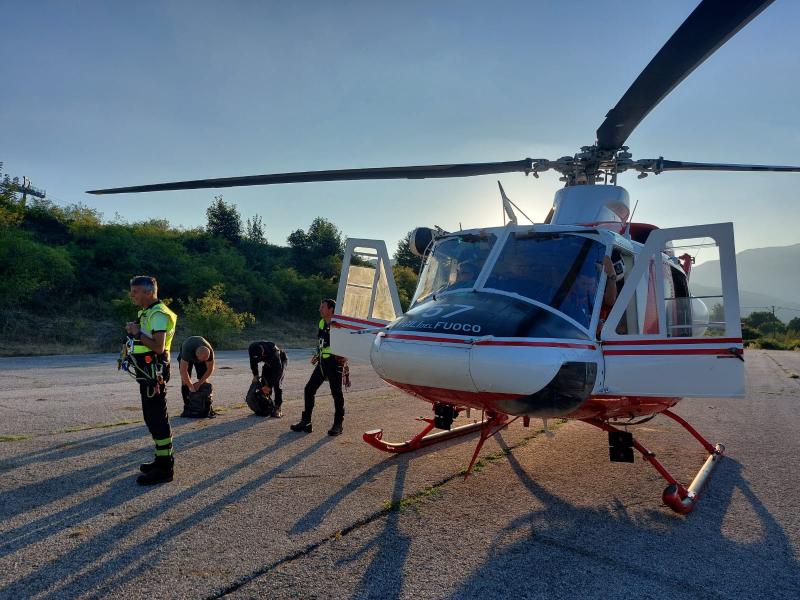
(773, 320)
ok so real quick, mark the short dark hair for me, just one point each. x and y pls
(330, 302)
(145, 281)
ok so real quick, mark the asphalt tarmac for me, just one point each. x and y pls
(257, 511)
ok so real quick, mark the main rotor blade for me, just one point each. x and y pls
(711, 24)
(678, 165)
(413, 172)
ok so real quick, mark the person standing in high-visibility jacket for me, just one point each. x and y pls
(152, 337)
(327, 366)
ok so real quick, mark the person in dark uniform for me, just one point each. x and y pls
(198, 354)
(327, 366)
(274, 360)
(151, 337)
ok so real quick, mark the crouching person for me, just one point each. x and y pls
(150, 340)
(269, 381)
(198, 355)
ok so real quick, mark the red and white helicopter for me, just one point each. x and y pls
(525, 321)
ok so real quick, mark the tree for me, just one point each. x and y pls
(717, 313)
(80, 215)
(404, 257)
(11, 212)
(765, 322)
(406, 280)
(320, 251)
(794, 326)
(224, 220)
(254, 231)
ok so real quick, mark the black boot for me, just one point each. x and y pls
(147, 467)
(303, 425)
(336, 429)
(163, 470)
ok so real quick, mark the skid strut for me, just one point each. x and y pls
(678, 497)
(375, 437)
(488, 427)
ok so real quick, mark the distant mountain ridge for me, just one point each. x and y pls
(767, 277)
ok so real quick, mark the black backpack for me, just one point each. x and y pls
(197, 405)
(259, 403)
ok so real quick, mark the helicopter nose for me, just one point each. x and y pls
(519, 377)
(488, 351)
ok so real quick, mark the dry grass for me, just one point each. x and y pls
(24, 334)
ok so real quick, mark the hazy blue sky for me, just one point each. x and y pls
(105, 94)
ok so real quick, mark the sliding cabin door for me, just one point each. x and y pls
(659, 339)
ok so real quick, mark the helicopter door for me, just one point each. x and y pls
(367, 298)
(678, 344)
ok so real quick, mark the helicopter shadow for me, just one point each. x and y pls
(313, 518)
(654, 554)
(384, 576)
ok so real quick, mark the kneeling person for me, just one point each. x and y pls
(196, 353)
(275, 361)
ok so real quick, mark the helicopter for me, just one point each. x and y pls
(587, 315)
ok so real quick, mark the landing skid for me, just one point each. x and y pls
(488, 427)
(679, 498)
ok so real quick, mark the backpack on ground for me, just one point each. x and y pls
(198, 405)
(258, 401)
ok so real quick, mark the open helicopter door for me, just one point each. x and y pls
(367, 298)
(658, 339)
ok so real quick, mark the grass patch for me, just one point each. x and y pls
(222, 409)
(13, 438)
(101, 426)
(412, 501)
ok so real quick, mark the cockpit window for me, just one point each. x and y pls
(455, 262)
(560, 270)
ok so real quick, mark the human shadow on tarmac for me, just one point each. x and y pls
(108, 570)
(36, 495)
(560, 550)
(71, 449)
(74, 448)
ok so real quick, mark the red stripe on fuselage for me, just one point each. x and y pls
(673, 341)
(346, 326)
(474, 342)
(675, 351)
(364, 321)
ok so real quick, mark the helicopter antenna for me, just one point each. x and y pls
(627, 232)
(507, 210)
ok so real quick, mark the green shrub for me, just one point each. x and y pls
(211, 317)
(771, 344)
(32, 272)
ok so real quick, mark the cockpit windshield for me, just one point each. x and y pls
(456, 262)
(559, 270)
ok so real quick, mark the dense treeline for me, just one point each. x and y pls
(764, 330)
(60, 261)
